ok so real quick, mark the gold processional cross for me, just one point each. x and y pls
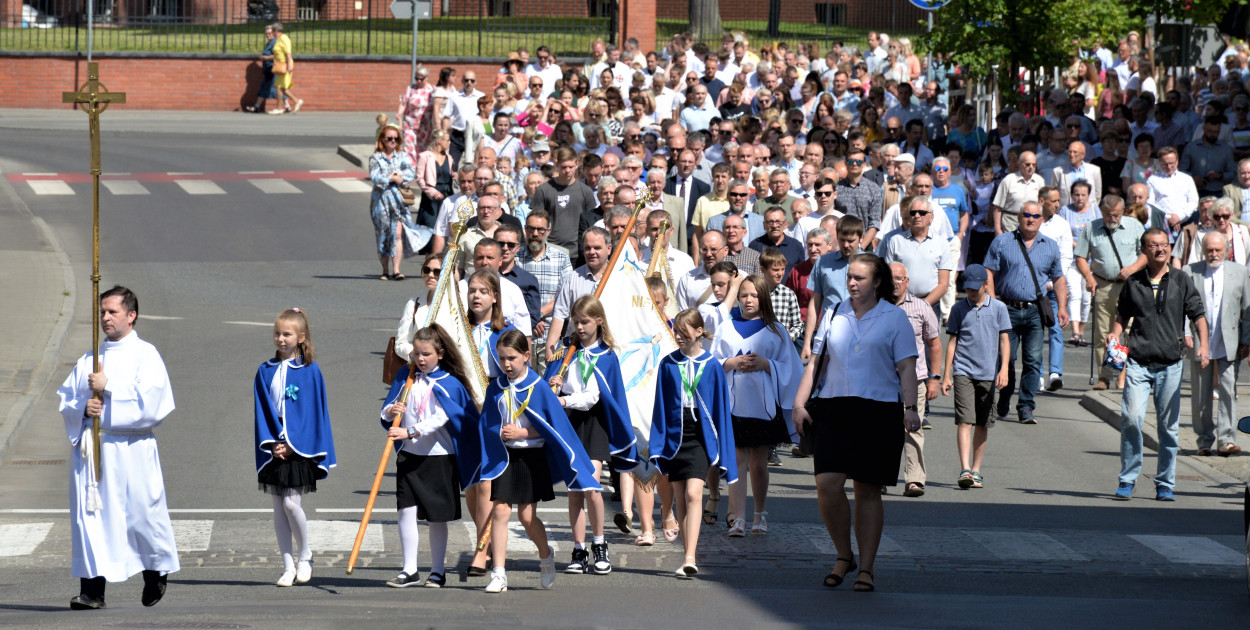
(95, 98)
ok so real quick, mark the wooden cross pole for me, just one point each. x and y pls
(95, 98)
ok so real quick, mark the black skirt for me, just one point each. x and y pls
(527, 479)
(293, 473)
(431, 483)
(690, 462)
(752, 432)
(860, 438)
(592, 429)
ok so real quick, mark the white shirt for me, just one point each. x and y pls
(809, 223)
(514, 310)
(940, 228)
(548, 76)
(679, 262)
(1212, 299)
(447, 213)
(580, 393)
(1175, 195)
(1059, 230)
(460, 107)
(510, 402)
(424, 414)
(692, 286)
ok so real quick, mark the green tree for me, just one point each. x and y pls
(705, 24)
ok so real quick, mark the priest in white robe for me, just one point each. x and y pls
(120, 521)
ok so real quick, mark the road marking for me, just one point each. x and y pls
(50, 187)
(35, 511)
(221, 510)
(359, 510)
(125, 187)
(347, 185)
(341, 535)
(39, 174)
(1190, 549)
(1016, 545)
(22, 538)
(256, 172)
(192, 535)
(275, 186)
(249, 323)
(517, 539)
(326, 171)
(161, 318)
(199, 186)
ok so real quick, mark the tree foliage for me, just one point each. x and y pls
(705, 23)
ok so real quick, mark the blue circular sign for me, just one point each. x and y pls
(930, 5)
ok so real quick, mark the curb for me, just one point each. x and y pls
(43, 373)
(357, 154)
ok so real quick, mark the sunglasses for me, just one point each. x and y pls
(824, 193)
(918, 213)
(854, 162)
(508, 244)
(390, 139)
(427, 270)
(893, 129)
(736, 195)
(469, 80)
(1223, 217)
(536, 85)
(941, 169)
(1030, 215)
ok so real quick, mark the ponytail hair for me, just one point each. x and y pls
(451, 362)
(590, 306)
(297, 317)
(514, 339)
(690, 319)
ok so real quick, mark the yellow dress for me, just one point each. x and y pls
(281, 55)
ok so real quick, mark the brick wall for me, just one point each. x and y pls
(638, 20)
(221, 84)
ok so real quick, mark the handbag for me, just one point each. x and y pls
(391, 361)
(409, 197)
(1044, 308)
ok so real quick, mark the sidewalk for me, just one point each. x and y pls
(35, 274)
(1106, 406)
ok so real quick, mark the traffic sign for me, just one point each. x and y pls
(927, 5)
(403, 9)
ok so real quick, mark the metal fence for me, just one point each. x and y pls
(822, 22)
(458, 28)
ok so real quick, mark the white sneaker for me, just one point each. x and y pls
(287, 579)
(303, 572)
(498, 582)
(1055, 382)
(547, 567)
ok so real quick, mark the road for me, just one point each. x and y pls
(219, 222)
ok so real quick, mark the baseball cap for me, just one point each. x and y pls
(540, 146)
(975, 276)
(906, 158)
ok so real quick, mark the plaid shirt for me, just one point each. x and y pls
(548, 268)
(786, 308)
(509, 188)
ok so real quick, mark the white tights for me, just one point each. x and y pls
(289, 521)
(410, 538)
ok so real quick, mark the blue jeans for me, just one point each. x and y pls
(1139, 383)
(1026, 337)
(1054, 338)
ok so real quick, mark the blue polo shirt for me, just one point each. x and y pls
(829, 279)
(953, 201)
(976, 329)
(789, 247)
(1011, 271)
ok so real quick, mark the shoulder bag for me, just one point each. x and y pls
(1044, 308)
(391, 361)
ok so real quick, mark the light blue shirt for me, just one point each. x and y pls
(755, 224)
(976, 329)
(828, 278)
(863, 352)
(698, 119)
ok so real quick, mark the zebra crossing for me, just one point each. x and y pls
(196, 184)
(44, 541)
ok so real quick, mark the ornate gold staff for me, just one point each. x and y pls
(95, 98)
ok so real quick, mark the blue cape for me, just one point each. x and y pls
(457, 404)
(711, 405)
(306, 427)
(565, 455)
(493, 347)
(621, 440)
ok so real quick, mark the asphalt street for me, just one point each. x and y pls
(1042, 545)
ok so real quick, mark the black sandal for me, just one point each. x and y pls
(868, 587)
(833, 580)
(710, 516)
(475, 571)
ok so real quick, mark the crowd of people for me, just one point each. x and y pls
(818, 216)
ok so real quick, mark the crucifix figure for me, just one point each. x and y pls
(95, 98)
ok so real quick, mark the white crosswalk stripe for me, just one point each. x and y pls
(341, 535)
(1190, 549)
(199, 187)
(1018, 545)
(193, 535)
(517, 539)
(275, 186)
(347, 185)
(21, 539)
(50, 187)
(125, 187)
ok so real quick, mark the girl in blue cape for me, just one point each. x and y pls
(690, 427)
(294, 446)
(762, 371)
(593, 396)
(429, 465)
(526, 440)
(485, 315)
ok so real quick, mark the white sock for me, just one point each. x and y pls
(283, 528)
(298, 523)
(581, 546)
(438, 547)
(498, 571)
(598, 540)
(409, 538)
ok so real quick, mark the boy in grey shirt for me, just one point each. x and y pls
(975, 323)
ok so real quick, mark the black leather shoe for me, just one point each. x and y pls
(153, 587)
(86, 602)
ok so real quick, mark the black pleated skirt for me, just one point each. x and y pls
(860, 438)
(431, 483)
(752, 432)
(294, 472)
(591, 427)
(527, 479)
(690, 462)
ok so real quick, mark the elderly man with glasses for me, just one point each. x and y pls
(739, 193)
(1108, 251)
(1013, 192)
(460, 108)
